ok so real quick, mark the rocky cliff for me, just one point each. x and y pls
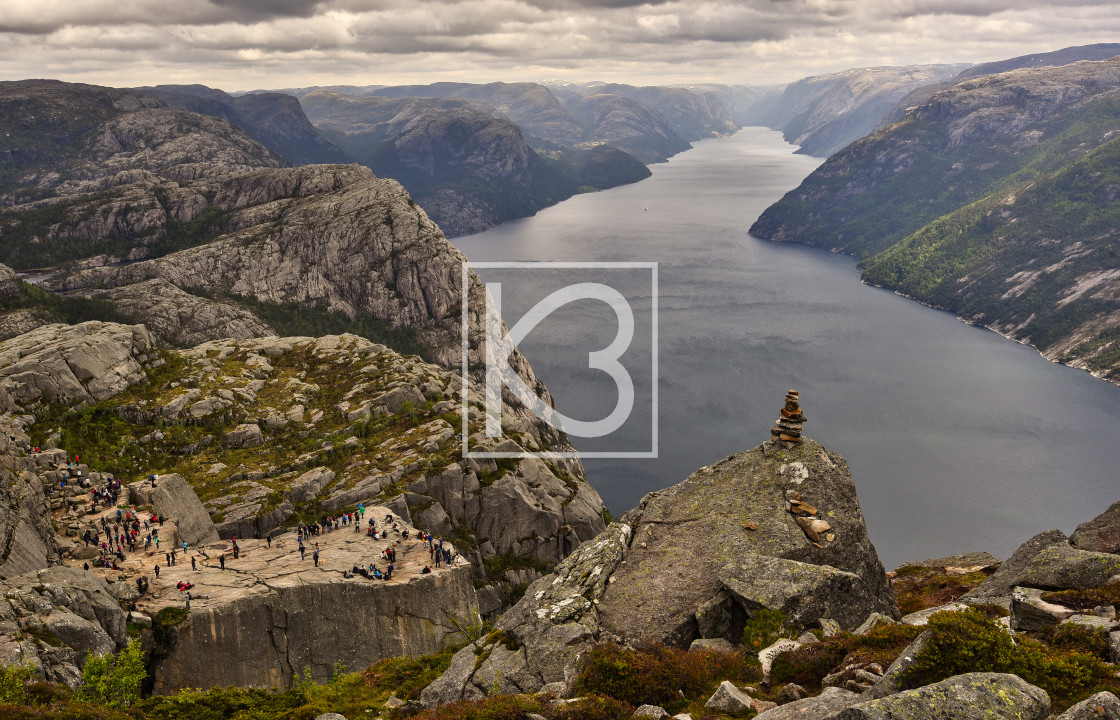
(789, 536)
(999, 206)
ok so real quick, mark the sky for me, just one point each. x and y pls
(261, 44)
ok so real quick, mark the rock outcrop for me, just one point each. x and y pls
(272, 613)
(673, 570)
(1101, 534)
(179, 318)
(72, 364)
(54, 617)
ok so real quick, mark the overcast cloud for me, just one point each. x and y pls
(247, 44)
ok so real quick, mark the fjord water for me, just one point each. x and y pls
(957, 438)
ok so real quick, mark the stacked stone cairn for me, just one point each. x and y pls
(790, 420)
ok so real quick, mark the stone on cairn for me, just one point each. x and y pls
(790, 420)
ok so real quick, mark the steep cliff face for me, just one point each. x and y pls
(788, 536)
(261, 627)
(992, 199)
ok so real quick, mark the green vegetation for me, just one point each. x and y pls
(808, 665)
(765, 627)
(13, 683)
(70, 309)
(993, 229)
(316, 321)
(1070, 670)
(114, 680)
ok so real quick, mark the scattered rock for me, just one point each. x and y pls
(789, 693)
(1114, 646)
(247, 435)
(921, 617)
(1102, 706)
(393, 702)
(888, 684)
(1030, 612)
(330, 716)
(729, 699)
(831, 701)
(174, 498)
(656, 712)
(873, 621)
(767, 655)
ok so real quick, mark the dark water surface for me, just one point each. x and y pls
(957, 438)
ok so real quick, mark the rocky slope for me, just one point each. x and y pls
(999, 196)
(674, 571)
(628, 124)
(274, 429)
(824, 113)
(276, 120)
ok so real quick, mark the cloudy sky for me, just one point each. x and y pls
(246, 44)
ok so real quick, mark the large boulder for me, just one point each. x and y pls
(974, 696)
(26, 532)
(1101, 534)
(1013, 571)
(674, 569)
(174, 498)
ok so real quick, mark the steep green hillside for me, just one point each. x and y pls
(995, 199)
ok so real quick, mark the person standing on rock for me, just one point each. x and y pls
(389, 572)
(222, 560)
(315, 556)
(188, 600)
(269, 539)
(157, 570)
(302, 552)
(193, 565)
(167, 556)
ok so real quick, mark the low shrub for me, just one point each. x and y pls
(499, 707)
(1086, 599)
(807, 666)
(967, 641)
(231, 703)
(764, 628)
(657, 675)
(594, 707)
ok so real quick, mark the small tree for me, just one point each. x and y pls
(115, 680)
(13, 683)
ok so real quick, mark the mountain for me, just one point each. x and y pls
(628, 124)
(692, 115)
(994, 199)
(470, 167)
(824, 113)
(276, 120)
(1102, 51)
(747, 105)
(1065, 56)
